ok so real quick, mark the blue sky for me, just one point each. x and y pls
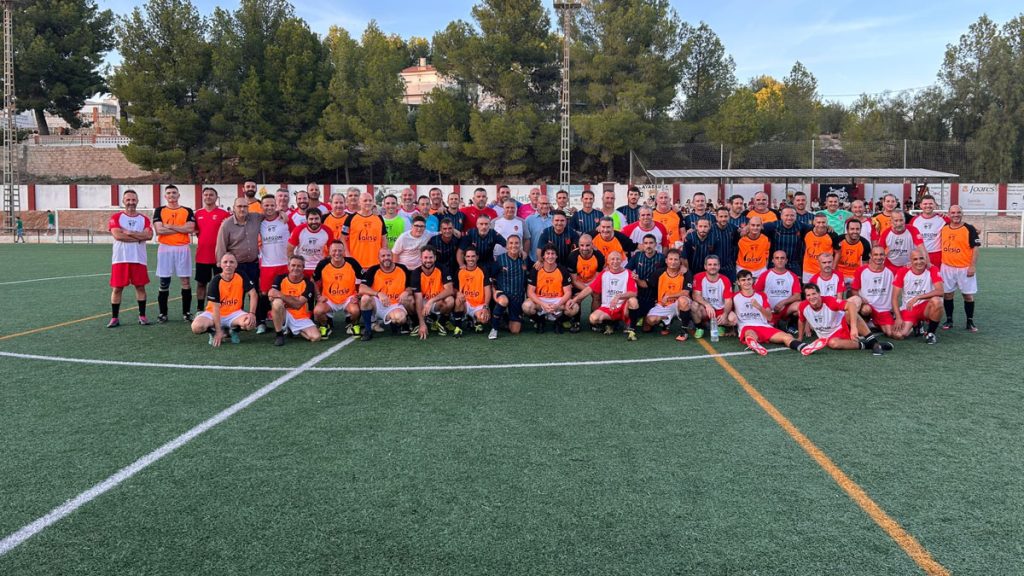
(851, 47)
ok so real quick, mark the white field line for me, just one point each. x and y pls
(425, 368)
(55, 515)
(53, 278)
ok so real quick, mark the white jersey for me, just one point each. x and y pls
(875, 288)
(778, 287)
(408, 248)
(312, 246)
(826, 321)
(914, 285)
(506, 227)
(867, 230)
(611, 285)
(714, 293)
(274, 242)
(296, 218)
(129, 252)
(746, 313)
(408, 214)
(831, 286)
(899, 245)
(930, 229)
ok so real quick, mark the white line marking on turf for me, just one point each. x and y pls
(425, 368)
(55, 515)
(54, 278)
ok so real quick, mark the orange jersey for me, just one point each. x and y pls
(880, 223)
(549, 284)
(585, 269)
(471, 283)
(430, 284)
(365, 235)
(228, 293)
(256, 207)
(668, 284)
(173, 217)
(815, 245)
(392, 284)
(295, 289)
(766, 217)
(753, 254)
(337, 283)
(672, 222)
(958, 245)
(335, 224)
(852, 257)
(606, 247)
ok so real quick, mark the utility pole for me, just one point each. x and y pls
(566, 9)
(11, 190)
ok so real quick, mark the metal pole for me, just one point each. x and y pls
(11, 192)
(904, 153)
(566, 9)
(812, 154)
(721, 156)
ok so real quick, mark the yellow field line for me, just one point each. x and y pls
(908, 543)
(70, 322)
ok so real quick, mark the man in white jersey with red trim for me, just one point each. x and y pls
(835, 323)
(929, 224)
(782, 287)
(273, 256)
(646, 225)
(310, 241)
(753, 312)
(131, 230)
(618, 297)
(830, 282)
(917, 297)
(873, 283)
(297, 217)
(712, 297)
(900, 241)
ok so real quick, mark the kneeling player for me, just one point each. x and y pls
(291, 303)
(386, 296)
(712, 297)
(434, 293)
(753, 314)
(473, 296)
(673, 285)
(873, 283)
(618, 292)
(917, 296)
(224, 297)
(836, 323)
(337, 281)
(549, 292)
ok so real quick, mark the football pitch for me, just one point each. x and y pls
(141, 450)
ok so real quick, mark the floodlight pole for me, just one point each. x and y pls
(9, 161)
(565, 9)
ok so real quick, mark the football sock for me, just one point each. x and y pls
(634, 317)
(186, 300)
(969, 310)
(142, 307)
(161, 300)
(367, 319)
(499, 310)
(948, 305)
(933, 325)
(200, 304)
(262, 308)
(796, 345)
(115, 309)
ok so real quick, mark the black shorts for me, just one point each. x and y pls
(514, 308)
(205, 272)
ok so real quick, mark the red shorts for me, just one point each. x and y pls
(617, 314)
(124, 273)
(915, 314)
(935, 258)
(267, 275)
(779, 317)
(882, 318)
(763, 333)
(842, 334)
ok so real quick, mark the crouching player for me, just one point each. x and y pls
(549, 292)
(836, 323)
(618, 293)
(337, 282)
(753, 314)
(917, 297)
(673, 285)
(291, 303)
(224, 298)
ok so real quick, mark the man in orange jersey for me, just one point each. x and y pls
(174, 225)
(224, 311)
(549, 292)
(820, 240)
(433, 289)
(670, 219)
(255, 204)
(335, 219)
(753, 249)
(584, 264)
(337, 280)
(474, 294)
(291, 302)
(852, 252)
(960, 242)
(365, 233)
(761, 209)
(672, 285)
(609, 240)
(386, 296)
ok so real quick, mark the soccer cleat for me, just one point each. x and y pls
(439, 328)
(574, 328)
(457, 332)
(235, 338)
(209, 339)
(324, 333)
(478, 328)
(449, 326)
(698, 333)
(608, 330)
(559, 327)
(405, 328)
(492, 335)
(971, 327)
(887, 346)
(279, 340)
(366, 336)
(354, 330)
(682, 336)
(813, 347)
(378, 327)
(756, 347)
(539, 326)
(595, 327)
(143, 321)
(161, 319)
(930, 338)
(187, 317)
(630, 335)
(947, 325)
(114, 323)
(261, 328)
(876, 350)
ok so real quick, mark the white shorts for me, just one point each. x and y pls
(472, 310)
(173, 261)
(225, 321)
(953, 278)
(668, 313)
(297, 325)
(381, 311)
(339, 307)
(556, 315)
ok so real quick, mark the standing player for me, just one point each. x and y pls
(608, 209)
(836, 323)
(310, 241)
(960, 242)
(786, 234)
(559, 235)
(453, 212)
(618, 292)
(699, 245)
(509, 278)
(873, 283)
(645, 225)
(337, 280)
(433, 289)
(585, 219)
(820, 240)
(484, 239)
(672, 287)
(609, 240)
(900, 241)
(249, 189)
(737, 211)
(446, 245)
(857, 208)
(408, 207)
(699, 211)
(335, 219)
(273, 257)
(297, 217)
(508, 224)
(929, 224)
(782, 288)
(726, 237)
(761, 209)
(313, 192)
(828, 281)
(366, 233)
(386, 295)
(643, 264)
(174, 225)
(473, 296)
(752, 316)
(837, 217)
(475, 210)
(549, 292)
(562, 203)
(208, 221)
(712, 297)
(671, 220)
(291, 301)
(916, 297)
(224, 312)
(395, 223)
(803, 216)
(631, 209)
(131, 231)
(409, 246)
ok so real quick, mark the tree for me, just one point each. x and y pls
(333, 143)
(163, 85)
(442, 127)
(60, 45)
(708, 74)
(735, 123)
(800, 104)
